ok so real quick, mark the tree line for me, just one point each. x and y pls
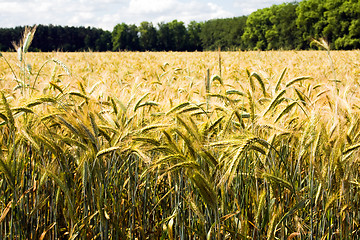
(58, 38)
(285, 26)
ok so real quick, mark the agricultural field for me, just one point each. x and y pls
(175, 145)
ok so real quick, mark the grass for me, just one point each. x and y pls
(135, 145)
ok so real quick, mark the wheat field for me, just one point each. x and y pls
(169, 145)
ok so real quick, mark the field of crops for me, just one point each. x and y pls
(236, 145)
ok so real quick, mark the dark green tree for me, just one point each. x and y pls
(236, 31)
(172, 36)
(311, 19)
(52, 38)
(273, 28)
(224, 33)
(283, 33)
(133, 38)
(148, 36)
(211, 34)
(257, 24)
(178, 34)
(194, 40)
(343, 24)
(119, 37)
(125, 37)
(337, 21)
(164, 37)
(103, 42)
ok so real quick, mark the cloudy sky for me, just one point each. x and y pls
(107, 13)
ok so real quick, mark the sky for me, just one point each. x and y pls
(106, 14)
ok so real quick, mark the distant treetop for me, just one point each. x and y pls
(286, 26)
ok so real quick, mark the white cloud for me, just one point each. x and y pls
(247, 7)
(12, 7)
(218, 12)
(145, 6)
(164, 11)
